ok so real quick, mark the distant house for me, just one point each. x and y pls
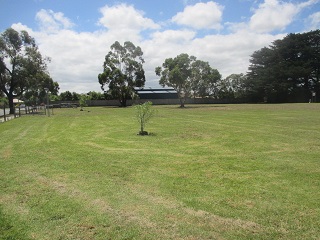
(156, 93)
(15, 100)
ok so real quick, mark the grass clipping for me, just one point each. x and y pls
(144, 112)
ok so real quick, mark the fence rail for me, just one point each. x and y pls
(19, 111)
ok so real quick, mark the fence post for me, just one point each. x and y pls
(4, 112)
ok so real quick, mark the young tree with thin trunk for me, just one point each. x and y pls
(143, 114)
(83, 101)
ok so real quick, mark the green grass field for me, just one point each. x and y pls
(205, 172)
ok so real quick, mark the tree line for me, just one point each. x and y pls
(73, 96)
(286, 71)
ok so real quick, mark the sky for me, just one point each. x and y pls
(77, 35)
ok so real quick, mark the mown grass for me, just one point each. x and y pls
(205, 172)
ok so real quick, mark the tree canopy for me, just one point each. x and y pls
(232, 87)
(188, 76)
(288, 70)
(203, 78)
(22, 67)
(123, 71)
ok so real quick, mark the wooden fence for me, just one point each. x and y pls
(19, 111)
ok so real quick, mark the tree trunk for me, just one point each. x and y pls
(123, 102)
(182, 101)
(307, 90)
(11, 105)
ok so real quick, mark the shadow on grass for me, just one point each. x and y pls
(200, 106)
(150, 134)
(113, 107)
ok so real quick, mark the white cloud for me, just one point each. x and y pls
(19, 27)
(273, 15)
(201, 16)
(230, 53)
(313, 21)
(126, 17)
(77, 57)
(162, 45)
(173, 36)
(276, 15)
(307, 3)
(50, 21)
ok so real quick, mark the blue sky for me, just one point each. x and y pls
(76, 35)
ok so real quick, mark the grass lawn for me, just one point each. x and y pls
(205, 172)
